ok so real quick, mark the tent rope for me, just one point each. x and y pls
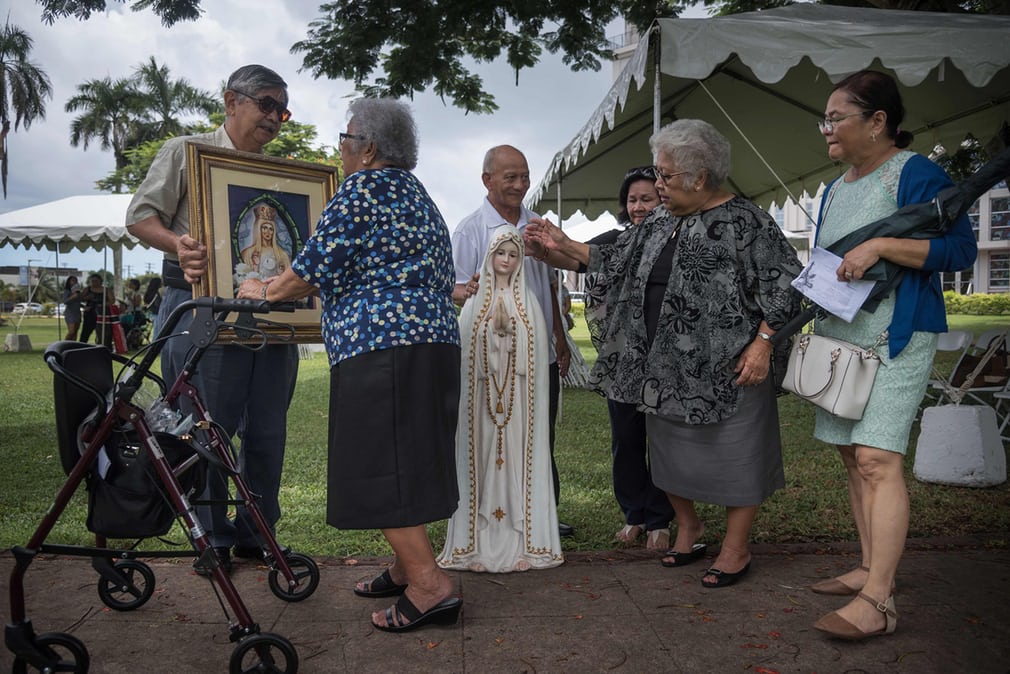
(755, 151)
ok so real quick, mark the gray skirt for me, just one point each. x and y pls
(735, 462)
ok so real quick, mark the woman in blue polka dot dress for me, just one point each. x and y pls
(381, 262)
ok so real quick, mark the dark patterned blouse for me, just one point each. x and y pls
(729, 268)
(382, 261)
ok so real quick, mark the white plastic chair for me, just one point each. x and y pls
(954, 340)
(981, 392)
(1002, 407)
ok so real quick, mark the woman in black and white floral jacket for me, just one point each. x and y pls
(685, 312)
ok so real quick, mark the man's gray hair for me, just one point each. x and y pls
(491, 157)
(252, 79)
(389, 124)
(693, 145)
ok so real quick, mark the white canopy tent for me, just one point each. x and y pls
(762, 78)
(74, 223)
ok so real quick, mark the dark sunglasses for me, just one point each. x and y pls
(267, 105)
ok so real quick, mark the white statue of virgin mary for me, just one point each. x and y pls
(506, 519)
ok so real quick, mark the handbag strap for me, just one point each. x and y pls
(881, 340)
(801, 345)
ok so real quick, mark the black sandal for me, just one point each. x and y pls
(698, 551)
(381, 586)
(722, 578)
(446, 612)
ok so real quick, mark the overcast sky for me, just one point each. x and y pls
(539, 116)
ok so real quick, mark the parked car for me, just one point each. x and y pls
(27, 308)
(578, 297)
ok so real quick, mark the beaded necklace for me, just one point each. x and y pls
(500, 413)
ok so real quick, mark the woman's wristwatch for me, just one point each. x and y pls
(763, 335)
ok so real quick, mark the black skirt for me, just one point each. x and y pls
(392, 440)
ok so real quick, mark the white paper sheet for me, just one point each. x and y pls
(819, 282)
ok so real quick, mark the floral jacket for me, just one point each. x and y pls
(732, 267)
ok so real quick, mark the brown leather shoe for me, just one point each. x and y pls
(835, 587)
(836, 626)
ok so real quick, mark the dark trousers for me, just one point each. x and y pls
(247, 392)
(641, 501)
(89, 319)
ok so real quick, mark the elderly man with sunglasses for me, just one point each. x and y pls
(246, 391)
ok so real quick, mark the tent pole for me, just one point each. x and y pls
(59, 299)
(657, 85)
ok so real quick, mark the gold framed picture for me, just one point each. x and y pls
(254, 213)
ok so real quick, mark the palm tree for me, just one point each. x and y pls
(24, 88)
(111, 114)
(167, 100)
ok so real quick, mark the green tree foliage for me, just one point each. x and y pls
(351, 40)
(167, 100)
(122, 115)
(24, 89)
(110, 114)
(170, 11)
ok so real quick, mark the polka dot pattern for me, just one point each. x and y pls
(382, 261)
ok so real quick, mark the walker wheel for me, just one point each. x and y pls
(64, 653)
(306, 576)
(264, 652)
(133, 591)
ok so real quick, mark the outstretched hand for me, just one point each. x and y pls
(543, 233)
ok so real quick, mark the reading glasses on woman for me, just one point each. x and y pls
(827, 125)
(268, 104)
(665, 178)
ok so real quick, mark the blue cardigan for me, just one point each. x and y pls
(918, 302)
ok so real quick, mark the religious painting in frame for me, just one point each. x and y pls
(254, 213)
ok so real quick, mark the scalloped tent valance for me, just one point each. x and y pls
(763, 78)
(74, 223)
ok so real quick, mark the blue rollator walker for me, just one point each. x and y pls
(141, 476)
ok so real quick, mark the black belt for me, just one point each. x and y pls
(172, 276)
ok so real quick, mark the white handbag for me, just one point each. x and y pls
(834, 375)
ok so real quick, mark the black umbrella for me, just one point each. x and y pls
(927, 220)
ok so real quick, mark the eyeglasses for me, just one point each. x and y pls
(827, 125)
(268, 104)
(351, 136)
(665, 178)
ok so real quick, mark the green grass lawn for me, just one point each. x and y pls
(812, 507)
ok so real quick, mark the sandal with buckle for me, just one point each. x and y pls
(837, 588)
(836, 626)
(381, 586)
(722, 578)
(698, 551)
